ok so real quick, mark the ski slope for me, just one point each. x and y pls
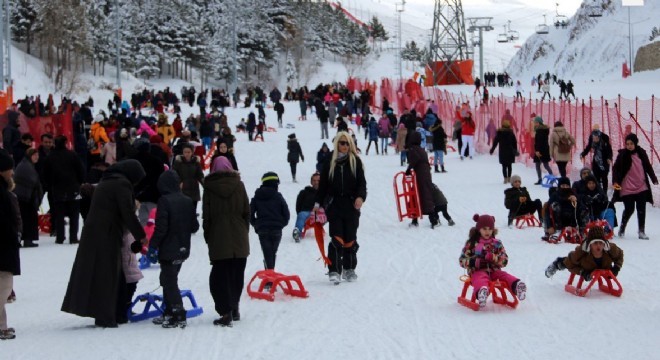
(403, 305)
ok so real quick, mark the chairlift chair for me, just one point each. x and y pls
(513, 35)
(595, 10)
(503, 37)
(543, 29)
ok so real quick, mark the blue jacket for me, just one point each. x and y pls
(268, 210)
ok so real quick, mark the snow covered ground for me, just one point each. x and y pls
(402, 307)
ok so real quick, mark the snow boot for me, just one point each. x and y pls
(296, 235)
(178, 319)
(414, 223)
(29, 244)
(349, 275)
(224, 321)
(442, 168)
(521, 290)
(482, 296)
(451, 222)
(161, 319)
(555, 266)
(642, 235)
(335, 277)
(436, 169)
(235, 315)
(8, 334)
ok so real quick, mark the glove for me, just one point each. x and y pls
(408, 173)
(136, 246)
(152, 255)
(615, 270)
(586, 275)
(489, 257)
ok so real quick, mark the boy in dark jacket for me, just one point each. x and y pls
(441, 202)
(176, 220)
(295, 154)
(519, 202)
(566, 210)
(269, 214)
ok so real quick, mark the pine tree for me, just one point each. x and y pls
(24, 22)
(377, 31)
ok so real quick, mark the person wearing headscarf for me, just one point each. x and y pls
(29, 193)
(97, 279)
(630, 179)
(226, 224)
(599, 145)
(342, 191)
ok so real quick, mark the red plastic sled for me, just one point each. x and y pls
(606, 283)
(603, 224)
(499, 291)
(407, 196)
(276, 279)
(44, 223)
(527, 220)
(315, 221)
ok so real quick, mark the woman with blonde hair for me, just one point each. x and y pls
(342, 191)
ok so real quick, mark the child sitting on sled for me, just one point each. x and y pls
(595, 253)
(484, 257)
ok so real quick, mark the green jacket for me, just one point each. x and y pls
(226, 216)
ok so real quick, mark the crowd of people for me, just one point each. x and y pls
(121, 161)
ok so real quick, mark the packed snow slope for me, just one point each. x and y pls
(403, 305)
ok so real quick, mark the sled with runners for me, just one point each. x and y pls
(407, 196)
(498, 290)
(607, 283)
(271, 280)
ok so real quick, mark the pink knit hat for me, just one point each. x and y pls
(221, 163)
(484, 220)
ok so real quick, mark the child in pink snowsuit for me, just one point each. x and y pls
(484, 256)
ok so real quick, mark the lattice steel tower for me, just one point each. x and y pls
(448, 40)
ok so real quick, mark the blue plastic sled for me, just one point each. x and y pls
(549, 181)
(155, 306)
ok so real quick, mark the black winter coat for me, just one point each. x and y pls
(594, 201)
(343, 184)
(419, 161)
(623, 164)
(305, 200)
(176, 220)
(321, 158)
(28, 185)
(11, 136)
(268, 210)
(191, 175)
(63, 174)
(605, 148)
(541, 144)
(9, 228)
(147, 189)
(512, 197)
(95, 275)
(506, 139)
(295, 152)
(439, 137)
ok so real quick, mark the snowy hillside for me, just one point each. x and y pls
(590, 47)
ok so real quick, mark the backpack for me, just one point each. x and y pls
(564, 145)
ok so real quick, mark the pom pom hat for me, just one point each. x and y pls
(484, 221)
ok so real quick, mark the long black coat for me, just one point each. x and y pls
(147, 189)
(419, 161)
(295, 152)
(95, 276)
(506, 139)
(191, 175)
(176, 220)
(541, 144)
(623, 164)
(9, 229)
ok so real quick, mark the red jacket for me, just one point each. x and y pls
(468, 126)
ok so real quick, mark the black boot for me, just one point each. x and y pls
(178, 318)
(442, 167)
(29, 244)
(225, 320)
(436, 169)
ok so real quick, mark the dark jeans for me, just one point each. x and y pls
(226, 283)
(60, 210)
(293, 166)
(30, 218)
(562, 167)
(169, 280)
(270, 241)
(630, 202)
(538, 169)
(443, 210)
(528, 207)
(506, 170)
(125, 293)
(601, 175)
(344, 221)
(375, 141)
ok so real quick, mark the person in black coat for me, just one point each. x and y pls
(439, 145)
(418, 161)
(593, 198)
(279, 109)
(93, 177)
(63, 174)
(146, 191)
(630, 179)
(342, 191)
(506, 139)
(541, 147)
(10, 229)
(601, 161)
(96, 275)
(251, 125)
(223, 150)
(322, 156)
(269, 214)
(11, 136)
(176, 221)
(323, 116)
(29, 192)
(22, 147)
(295, 154)
(305, 204)
(566, 209)
(518, 201)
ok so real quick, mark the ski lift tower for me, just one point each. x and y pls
(482, 24)
(5, 54)
(448, 40)
(399, 7)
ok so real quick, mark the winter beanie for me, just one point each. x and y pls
(270, 179)
(595, 234)
(483, 221)
(515, 178)
(292, 136)
(563, 181)
(632, 137)
(98, 118)
(221, 164)
(6, 161)
(538, 119)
